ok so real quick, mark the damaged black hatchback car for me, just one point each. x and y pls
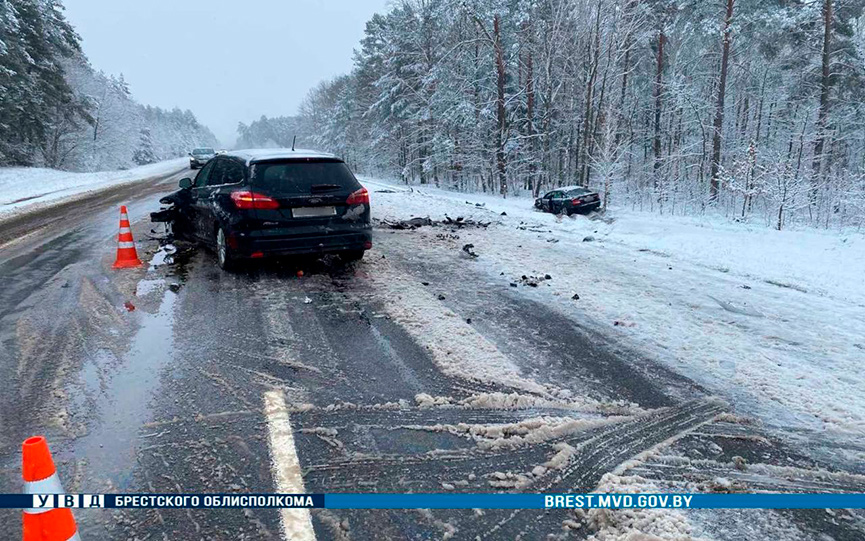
(258, 203)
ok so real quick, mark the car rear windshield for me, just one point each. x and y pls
(304, 176)
(578, 191)
(203, 151)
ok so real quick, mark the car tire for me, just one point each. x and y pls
(224, 258)
(352, 255)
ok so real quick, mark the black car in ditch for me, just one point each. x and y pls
(258, 203)
(569, 200)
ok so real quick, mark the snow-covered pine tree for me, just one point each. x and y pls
(144, 154)
(422, 102)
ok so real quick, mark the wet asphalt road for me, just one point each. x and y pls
(168, 397)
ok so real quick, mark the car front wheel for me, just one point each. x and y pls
(224, 257)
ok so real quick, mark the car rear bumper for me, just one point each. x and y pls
(312, 244)
(586, 207)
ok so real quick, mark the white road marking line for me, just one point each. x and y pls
(296, 523)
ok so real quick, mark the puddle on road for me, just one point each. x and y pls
(123, 395)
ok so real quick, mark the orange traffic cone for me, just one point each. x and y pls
(40, 477)
(126, 254)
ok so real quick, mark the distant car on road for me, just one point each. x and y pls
(200, 156)
(258, 203)
(569, 200)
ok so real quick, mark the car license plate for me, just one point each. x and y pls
(306, 212)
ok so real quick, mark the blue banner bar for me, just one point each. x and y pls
(597, 501)
(438, 501)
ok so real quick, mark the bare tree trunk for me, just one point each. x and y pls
(590, 89)
(530, 115)
(719, 107)
(659, 81)
(823, 112)
(501, 166)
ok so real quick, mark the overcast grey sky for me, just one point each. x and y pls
(226, 60)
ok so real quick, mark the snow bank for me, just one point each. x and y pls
(22, 187)
(817, 261)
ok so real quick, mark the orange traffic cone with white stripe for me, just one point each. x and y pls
(126, 254)
(40, 477)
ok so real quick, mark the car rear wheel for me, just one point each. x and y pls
(352, 255)
(224, 257)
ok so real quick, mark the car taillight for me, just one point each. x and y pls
(251, 200)
(576, 201)
(360, 197)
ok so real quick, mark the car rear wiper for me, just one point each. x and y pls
(318, 188)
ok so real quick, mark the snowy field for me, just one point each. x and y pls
(23, 187)
(774, 322)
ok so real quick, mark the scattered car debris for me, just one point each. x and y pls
(588, 238)
(462, 222)
(534, 281)
(414, 223)
(468, 248)
(503, 214)
(513, 284)
(469, 320)
(441, 297)
(385, 191)
(576, 297)
(129, 306)
(424, 283)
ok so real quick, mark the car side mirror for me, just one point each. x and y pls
(185, 183)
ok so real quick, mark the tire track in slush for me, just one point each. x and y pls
(597, 456)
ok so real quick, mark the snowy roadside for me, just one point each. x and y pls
(821, 262)
(26, 188)
(771, 321)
